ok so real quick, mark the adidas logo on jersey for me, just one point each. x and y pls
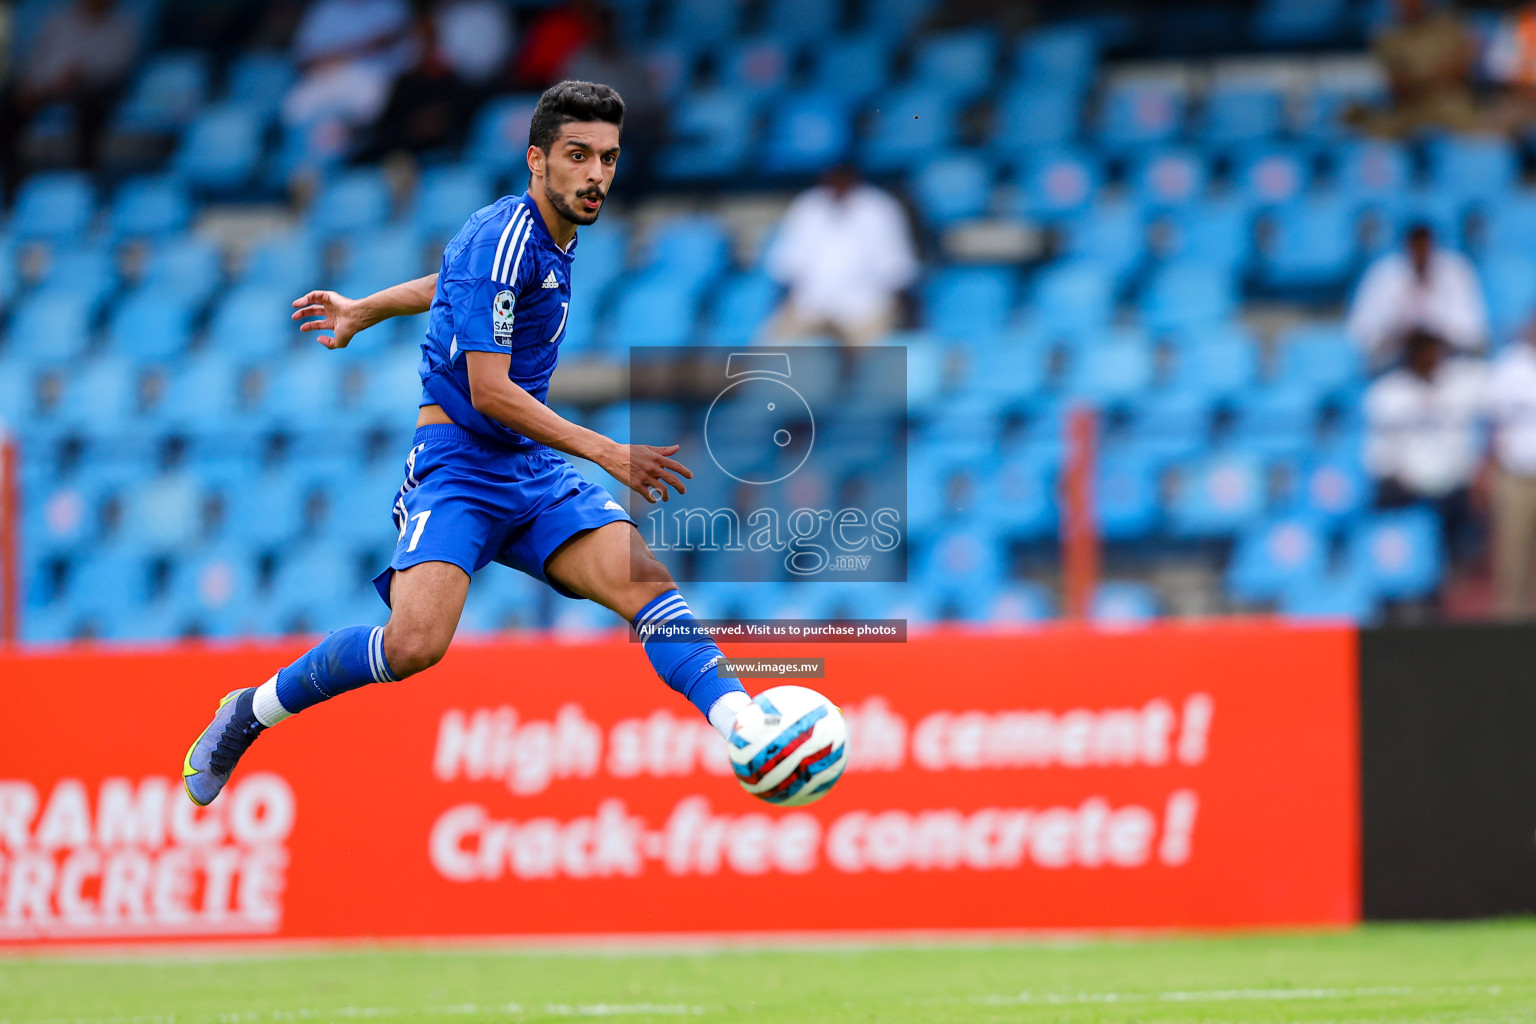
(611, 504)
(549, 281)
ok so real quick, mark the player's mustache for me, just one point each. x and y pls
(593, 192)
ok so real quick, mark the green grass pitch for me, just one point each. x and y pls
(1480, 972)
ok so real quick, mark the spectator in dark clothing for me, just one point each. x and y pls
(605, 59)
(428, 107)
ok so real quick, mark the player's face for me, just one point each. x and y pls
(580, 168)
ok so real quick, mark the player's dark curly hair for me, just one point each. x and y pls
(573, 101)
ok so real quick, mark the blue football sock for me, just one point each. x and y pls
(344, 660)
(683, 655)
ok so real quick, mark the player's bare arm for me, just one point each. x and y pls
(345, 317)
(646, 469)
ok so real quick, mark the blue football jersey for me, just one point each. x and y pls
(504, 286)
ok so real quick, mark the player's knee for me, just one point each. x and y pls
(410, 651)
(646, 568)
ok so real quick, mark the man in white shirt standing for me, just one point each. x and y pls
(844, 253)
(1424, 286)
(1512, 407)
(1423, 440)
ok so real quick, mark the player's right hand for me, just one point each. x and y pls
(648, 470)
(339, 315)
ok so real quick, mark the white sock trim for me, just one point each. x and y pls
(723, 712)
(269, 710)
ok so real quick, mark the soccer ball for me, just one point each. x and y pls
(789, 746)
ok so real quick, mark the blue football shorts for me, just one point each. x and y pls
(471, 504)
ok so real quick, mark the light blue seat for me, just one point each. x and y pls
(1073, 296)
(970, 302)
(1111, 233)
(1218, 232)
(1509, 282)
(1443, 211)
(150, 207)
(1313, 244)
(1172, 177)
(602, 253)
(1063, 55)
(1344, 596)
(168, 91)
(354, 202)
(806, 132)
(264, 511)
(259, 80)
(897, 17)
(953, 188)
(1321, 115)
(89, 270)
(1059, 181)
(1125, 494)
(652, 309)
(448, 196)
(1172, 424)
(214, 587)
(284, 262)
(360, 504)
(1123, 603)
(498, 138)
(57, 205)
(50, 325)
(253, 322)
(148, 328)
(704, 22)
(1186, 293)
(301, 389)
(756, 67)
(802, 21)
(201, 393)
(1512, 229)
(1320, 357)
(1217, 361)
(221, 149)
(1292, 24)
(1219, 495)
(1006, 367)
(1399, 552)
(378, 258)
(1473, 167)
(689, 250)
(711, 134)
(107, 582)
(1140, 113)
(1274, 176)
(391, 384)
(1117, 367)
(162, 513)
(99, 396)
(315, 578)
(958, 62)
(852, 66)
(1017, 498)
(741, 308)
(1271, 556)
(189, 267)
(963, 557)
(1242, 113)
(1333, 487)
(670, 65)
(1371, 170)
(1037, 114)
(911, 124)
(1279, 421)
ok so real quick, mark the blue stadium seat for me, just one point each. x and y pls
(1061, 55)
(1272, 176)
(742, 308)
(1172, 177)
(1271, 556)
(1321, 116)
(1399, 553)
(1509, 282)
(670, 65)
(391, 384)
(1313, 244)
(259, 80)
(301, 387)
(1059, 181)
(283, 262)
(970, 302)
(690, 250)
(448, 196)
(1483, 167)
(264, 511)
(221, 149)
(1512, 229)
(1031, 114)
(150, 207)
(1172, 424)
(1218, 362)
(354, 202)
(711, 134)
(1442, 211)
(701, 23)
(168, 91)
(498, 138)
(1074, 297)
(1013, 604)
(1319, 357)
(1139, 113)
(1111, 233)
(377, 258)
(1277, 422)
(314, 578)
(99, 396)
(215, 588)
(962, 558)
(58, 205)
(953, 188)
(147, 327)
(1003, 366)
(107, 584)
(806, 132)
(51, 325)
(1333, 487)
(360, 504)
(898, 17)
(852, 66)
(1343, 596)
(1125, 494)
(1119, 366)
(1185, 293)
(1371, 169)
(802, 21)
(910, 124)
(252, 322)
(192, 266)
(202, 393)
(1218, 232)
(1219, 494)
(162, 513)
(1292, 24)
(756, 67)
(1242, 113)
(603, 252)
(1121, 604)
(959, 63)
(652, 309)
(89, 270)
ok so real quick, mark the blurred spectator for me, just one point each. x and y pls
(552, 39)
(351, 51)
(80, 57)
(1423, 286)
(1423, 433)
(1511, 62)
(227, 26)
(1512, 407)
(473, 38)
(1427, 56)
(605, 59)
(844, 253)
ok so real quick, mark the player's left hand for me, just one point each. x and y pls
(648, 469)
(342, 316)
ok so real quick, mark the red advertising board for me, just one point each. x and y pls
(1057, 779)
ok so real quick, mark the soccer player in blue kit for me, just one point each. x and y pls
(483, 480)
